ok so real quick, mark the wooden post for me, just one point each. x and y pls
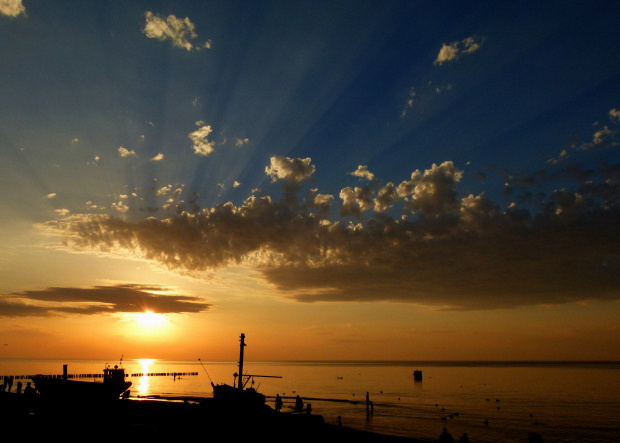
(241, 361)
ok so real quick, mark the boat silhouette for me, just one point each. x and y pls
(62, 388)
(240, 395)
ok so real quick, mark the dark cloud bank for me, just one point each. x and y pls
(98, 300)
(419, 241)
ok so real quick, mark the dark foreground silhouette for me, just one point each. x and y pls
(169, 420)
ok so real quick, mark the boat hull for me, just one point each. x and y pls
(61, 389)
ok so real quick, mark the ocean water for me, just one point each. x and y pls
(490, 401)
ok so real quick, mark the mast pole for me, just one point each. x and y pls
(242, 345)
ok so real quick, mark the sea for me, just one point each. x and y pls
(490, 401)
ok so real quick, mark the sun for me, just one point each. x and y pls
(151, 320)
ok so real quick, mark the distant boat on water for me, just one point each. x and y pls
(55, 388)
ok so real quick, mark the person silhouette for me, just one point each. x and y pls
(299, 404)
(29, 391)
(278, 402)
(445, 436)
(464, 438)
(19, 387)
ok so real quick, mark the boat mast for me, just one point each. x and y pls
(242, 340)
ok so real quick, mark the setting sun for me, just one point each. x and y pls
(150, 319)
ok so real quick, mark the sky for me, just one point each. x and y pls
(350, 180)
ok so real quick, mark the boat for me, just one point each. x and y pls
(111, 387)
(240, 395)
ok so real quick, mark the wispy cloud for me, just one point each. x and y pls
(12, 8)
(120, 298)
(200, 142)
(124, 152)
(181, 31)
(363, 172)
(603, 138)
(452, 51)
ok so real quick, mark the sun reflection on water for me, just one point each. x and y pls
(143, 384)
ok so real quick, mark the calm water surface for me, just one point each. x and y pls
(491, 402)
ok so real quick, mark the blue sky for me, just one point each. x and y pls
(446, 155)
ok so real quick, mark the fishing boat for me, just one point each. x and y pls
(111, 387)
(240, 395)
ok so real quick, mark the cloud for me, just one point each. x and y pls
(421, 241)
(179, 31)
(291, 172)
(124, 152)
(62, 212)
(432, 192)
(120, 207)
(409, 104)
(454, 50)
(200, 143)
(363, 172)
(51, 195)
(603, 138)
(288, 169)
(12, 8)
(120, 298)
(242, 141)
(159, 157)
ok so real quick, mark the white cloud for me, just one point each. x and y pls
(452, 51)
(236, 184)
(51, 195)
(12, 8)
(614, 115)
(201, 145)
(242, 141)
(158, 157)
(124, 152)
(179, 30)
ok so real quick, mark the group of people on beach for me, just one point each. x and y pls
(7, 386)
(446, 437)
(299, 404)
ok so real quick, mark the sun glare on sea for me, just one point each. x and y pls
(143, 384)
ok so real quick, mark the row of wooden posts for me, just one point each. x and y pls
(138, 374)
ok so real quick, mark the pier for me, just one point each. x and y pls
(95, 376)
